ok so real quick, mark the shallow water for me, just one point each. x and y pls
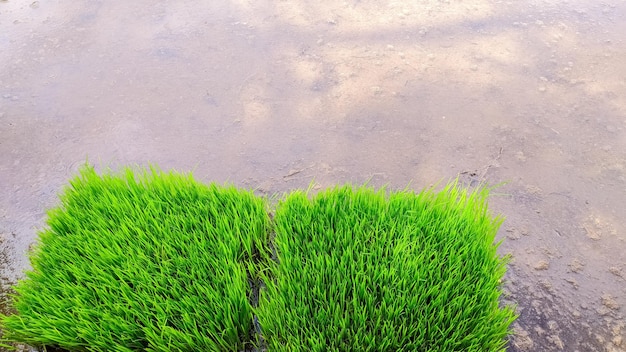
(275, 95)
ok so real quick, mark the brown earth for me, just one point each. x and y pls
(274, 94)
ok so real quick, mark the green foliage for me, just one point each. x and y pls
(153, 262)
(158, 262)
(359, 270)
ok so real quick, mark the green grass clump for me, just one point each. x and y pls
(359, 270)
(142, 261)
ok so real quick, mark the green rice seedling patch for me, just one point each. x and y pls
(142, 261)
(364, 270)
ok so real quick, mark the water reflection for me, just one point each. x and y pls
(395, 93)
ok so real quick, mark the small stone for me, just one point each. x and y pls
(513, 234)
(572, 281)
(613, 270)
(542, 265)
(576, 265)
(552, 325)
(521, 339)
(376, 90)
(592, 233)
(556, 340)
(603, 311)
(610, 302)
(546, 284)
(542, 89)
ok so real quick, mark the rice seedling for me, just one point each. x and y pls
(364, 270)
(142, 261)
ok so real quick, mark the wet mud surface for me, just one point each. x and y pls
(273, 95)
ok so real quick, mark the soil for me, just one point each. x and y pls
(273, 95)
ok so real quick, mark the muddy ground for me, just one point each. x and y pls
(274, 94)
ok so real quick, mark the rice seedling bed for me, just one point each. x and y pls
(359, 270)
(159, 262)
(143, 261)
